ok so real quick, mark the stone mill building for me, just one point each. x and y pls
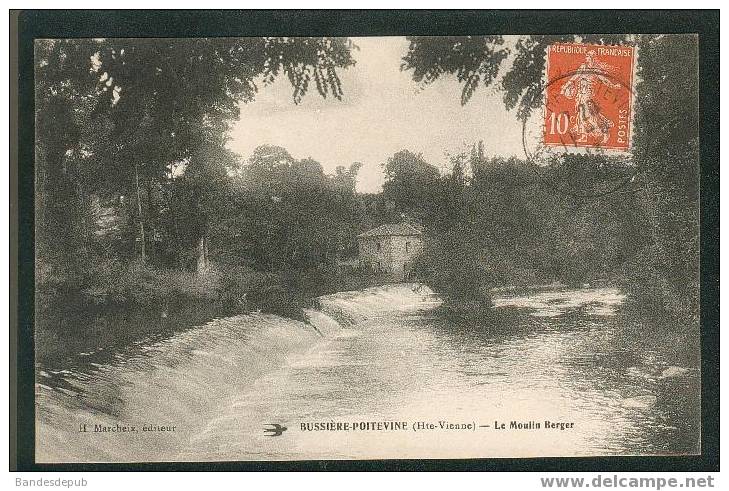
(390, 249)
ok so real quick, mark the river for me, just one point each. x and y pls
(415, 384)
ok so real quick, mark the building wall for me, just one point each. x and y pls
(369, 254)
(404, 250)
(394, 256)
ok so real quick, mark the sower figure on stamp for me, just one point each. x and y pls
(589, 120)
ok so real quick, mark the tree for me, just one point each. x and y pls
(64, 104)
(665, 143)
(478, 60)
(194, 201)
(293, 217)
(114, 114)
(666, 149)
(410, 182)
(474, 60)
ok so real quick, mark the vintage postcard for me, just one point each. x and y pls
(330, 248)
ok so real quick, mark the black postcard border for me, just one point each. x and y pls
(34, 24)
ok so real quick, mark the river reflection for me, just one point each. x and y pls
(566, 356)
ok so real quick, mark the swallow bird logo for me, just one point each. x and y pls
(276, 430)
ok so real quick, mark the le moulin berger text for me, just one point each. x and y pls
(431, 425)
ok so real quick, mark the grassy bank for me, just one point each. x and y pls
(115, 304)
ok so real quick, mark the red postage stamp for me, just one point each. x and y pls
(589, 96)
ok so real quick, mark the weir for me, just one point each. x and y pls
(182, 380)
(353, 307)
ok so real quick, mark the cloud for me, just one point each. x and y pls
(382, 111)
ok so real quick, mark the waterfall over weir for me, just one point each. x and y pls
(153, 400)
(350, 308)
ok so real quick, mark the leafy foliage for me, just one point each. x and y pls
(474, 60)
(650, 227)
(287, 214)
(117, 117)
(410, 182)
(503, 227)
(480, 60)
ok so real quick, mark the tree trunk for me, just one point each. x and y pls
(203, 262)
(84, 213)
(143, 250)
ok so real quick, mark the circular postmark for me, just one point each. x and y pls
(579, 143)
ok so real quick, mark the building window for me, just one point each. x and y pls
(407, 246)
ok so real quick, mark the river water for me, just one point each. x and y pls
(377, 374)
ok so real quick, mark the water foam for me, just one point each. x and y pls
(182, 380)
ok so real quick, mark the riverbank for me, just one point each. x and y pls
(119, 304)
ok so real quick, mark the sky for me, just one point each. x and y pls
(382, 111)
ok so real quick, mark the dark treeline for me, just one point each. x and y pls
(138, 199)
(140, 202)
(514, 221)
(494, 222)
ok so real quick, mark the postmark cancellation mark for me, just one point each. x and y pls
(589, 97)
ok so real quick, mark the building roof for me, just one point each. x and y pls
(392, 229)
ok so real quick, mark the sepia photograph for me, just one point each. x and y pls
(353, 248)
